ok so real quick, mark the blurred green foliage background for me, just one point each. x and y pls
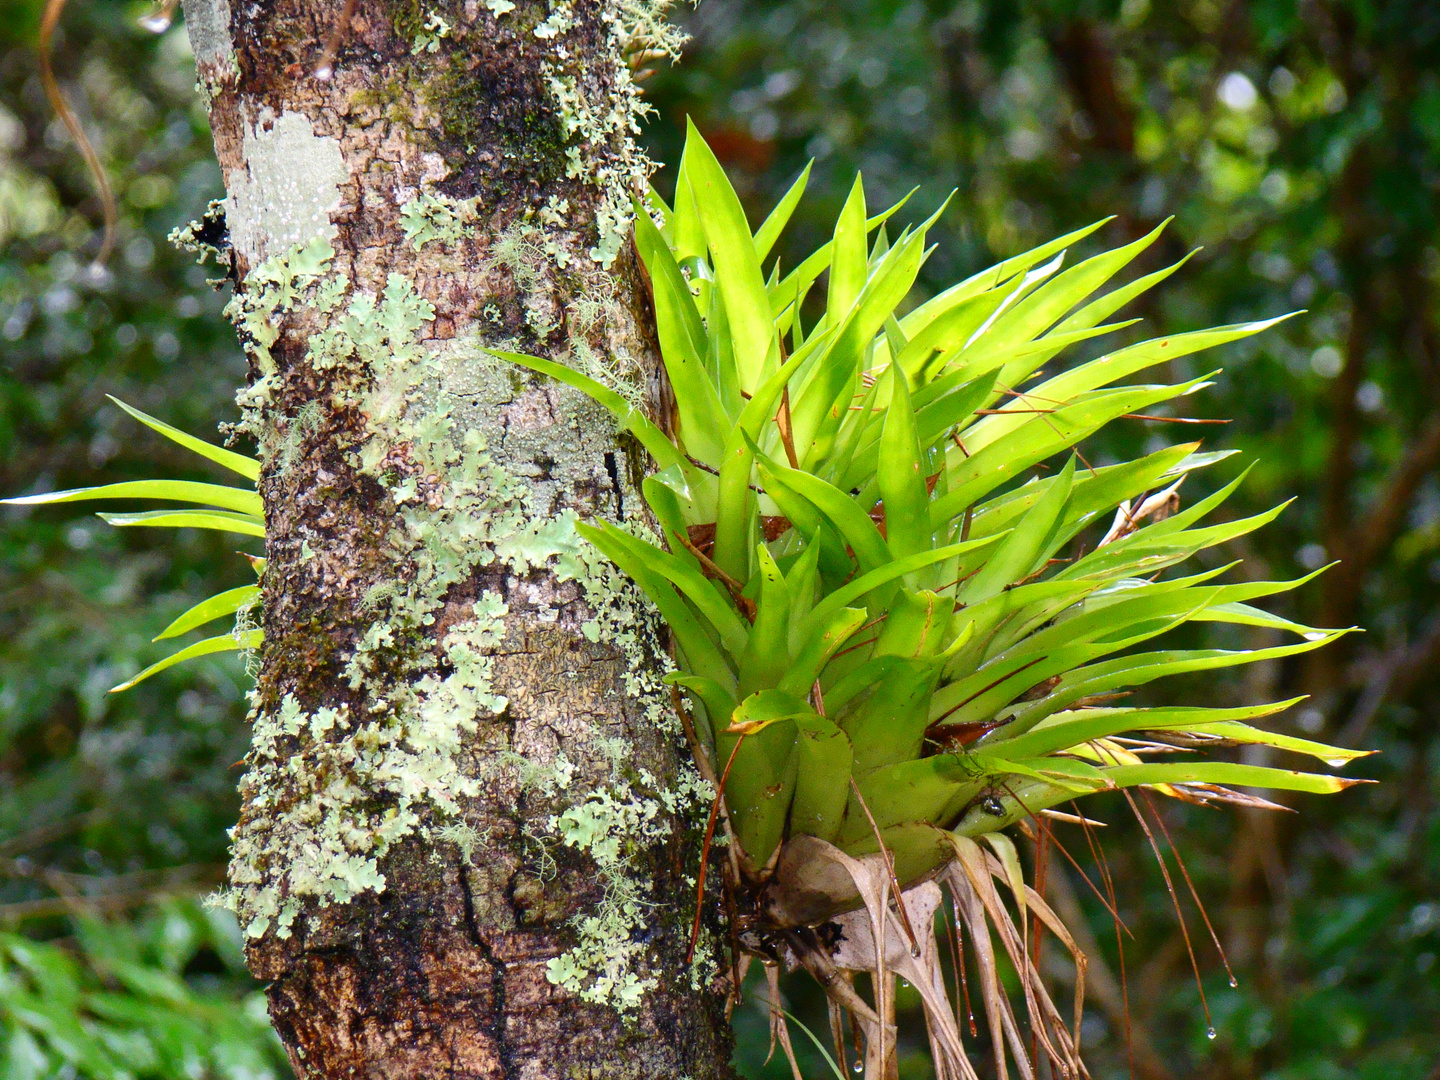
(1296, 142)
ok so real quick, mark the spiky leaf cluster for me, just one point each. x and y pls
(888, 624)
(223, 507)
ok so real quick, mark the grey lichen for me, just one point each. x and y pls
(208, 25)
(288, 189)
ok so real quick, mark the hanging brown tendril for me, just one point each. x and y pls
(53, 10)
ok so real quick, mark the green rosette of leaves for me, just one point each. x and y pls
(895, 625)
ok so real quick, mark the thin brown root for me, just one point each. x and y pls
(1097, 852)
(1225, 960)
(1175, 903)
(48, 23)
(705, 851)
(325, 65)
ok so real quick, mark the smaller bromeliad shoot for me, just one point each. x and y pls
(895, 646)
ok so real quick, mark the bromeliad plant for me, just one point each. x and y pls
(895, 637)
(231, 509)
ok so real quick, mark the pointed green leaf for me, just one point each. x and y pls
(1049, 303)
(238, 499)
(222, 643)
(823, 399)
(848, 268)
(1025, 549)
(771, 228)
(1064, 730)
(1334, 756)
(222, 520)
(901, 475)
(682, 347)
(840, 511)
(1099, 310)
(247, 467)
(688, 239)
(1224, 772)
(993, 276)
(1142, 668)
(734, 506)
(212, 608)
(766, 655)
(732, 252)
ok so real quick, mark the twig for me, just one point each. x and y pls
(746, 606)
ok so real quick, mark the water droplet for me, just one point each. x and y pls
(324, 71)
(156, 22)
(1210, 1033)
(1234, 981)
(859, 1066)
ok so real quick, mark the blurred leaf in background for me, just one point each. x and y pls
(152, 998)
(1297, 145)
(110, 803)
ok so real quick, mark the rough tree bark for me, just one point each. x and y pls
(463, 846)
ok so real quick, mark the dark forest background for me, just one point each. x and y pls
(1295, 142)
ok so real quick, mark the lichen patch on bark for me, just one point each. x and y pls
(208, 25)
(288, 188)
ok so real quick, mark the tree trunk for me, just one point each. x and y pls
(467, 841)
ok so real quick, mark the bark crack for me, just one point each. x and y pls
(497, 978)
(612, 467)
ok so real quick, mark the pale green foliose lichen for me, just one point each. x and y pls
(588, 123)
(429, 38)
(436, 217)
(189, 237)
(611, 826)
(330, 792)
